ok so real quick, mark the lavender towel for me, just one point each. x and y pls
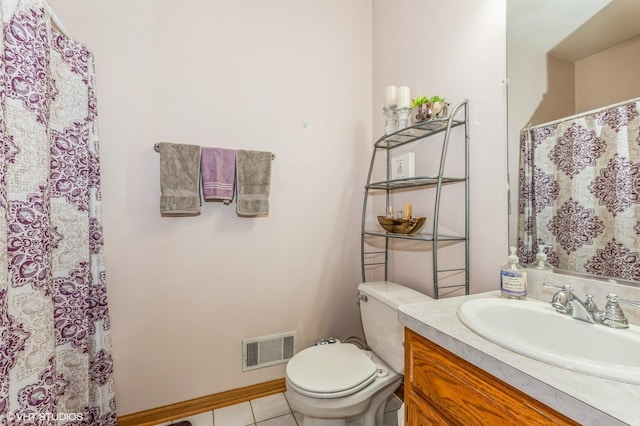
(179, 179)
(254, 181)
(218, 169)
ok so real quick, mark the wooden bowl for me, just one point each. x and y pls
(402, 226)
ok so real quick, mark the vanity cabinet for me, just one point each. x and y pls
(444, 389)
(375, 243)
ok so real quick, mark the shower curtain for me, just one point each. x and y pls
(55, 357)
(580, 192)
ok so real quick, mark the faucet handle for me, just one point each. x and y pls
(562, 287)
(612, 314)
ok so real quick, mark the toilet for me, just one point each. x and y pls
(333, 384)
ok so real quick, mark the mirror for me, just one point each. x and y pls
(555, 50)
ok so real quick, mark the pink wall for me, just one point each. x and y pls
(454, 49)
(608, 77)
(184, 292)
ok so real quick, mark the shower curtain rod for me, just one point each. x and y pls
(582, 114)
(156, 148)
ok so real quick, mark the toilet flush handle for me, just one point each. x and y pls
(362, 297)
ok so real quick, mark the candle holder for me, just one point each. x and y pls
(403, 120)
(391, 122)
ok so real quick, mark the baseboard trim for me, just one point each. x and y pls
(200, 405)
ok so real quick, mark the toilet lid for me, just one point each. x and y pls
(329, 369)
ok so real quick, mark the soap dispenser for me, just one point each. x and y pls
(541, 259)
(513, 278)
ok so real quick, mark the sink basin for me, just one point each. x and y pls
(534, 329)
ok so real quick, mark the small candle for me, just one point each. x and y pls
(407, 212)
(390, 212)
(390, 96)
(404, 97)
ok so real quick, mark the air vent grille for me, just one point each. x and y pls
(268, 350)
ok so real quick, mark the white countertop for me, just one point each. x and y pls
(586, 399)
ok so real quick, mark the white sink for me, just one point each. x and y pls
(534, 329)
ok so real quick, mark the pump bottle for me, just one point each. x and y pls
(513, 278)
(541, 259)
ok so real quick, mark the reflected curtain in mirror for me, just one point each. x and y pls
(580, 192)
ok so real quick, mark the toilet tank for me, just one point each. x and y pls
(379, 311)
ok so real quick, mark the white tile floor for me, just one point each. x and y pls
(271, 410)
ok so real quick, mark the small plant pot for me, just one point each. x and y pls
(423, 112)
(429, 111)
(441, 109)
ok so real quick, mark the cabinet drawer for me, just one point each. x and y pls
(462, 393)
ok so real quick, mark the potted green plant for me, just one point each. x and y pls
(419, 101)
(421, 109)
(427, 108)
(437, 104)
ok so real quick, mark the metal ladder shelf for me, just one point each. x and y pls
(437, 129)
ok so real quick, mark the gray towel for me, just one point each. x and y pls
(253, 170)
(179, 179)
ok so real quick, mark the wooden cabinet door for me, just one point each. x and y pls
(451, 391)
(420, 414)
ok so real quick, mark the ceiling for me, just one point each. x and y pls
(573, 29)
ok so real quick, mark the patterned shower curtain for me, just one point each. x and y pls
(55, 355)
(580, 192)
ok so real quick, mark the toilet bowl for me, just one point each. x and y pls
(333, 384)
(342, 388)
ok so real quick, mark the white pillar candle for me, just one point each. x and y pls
(404, 97)
(390, 96)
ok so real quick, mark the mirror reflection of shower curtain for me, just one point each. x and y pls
(580, 192)
(55, 349)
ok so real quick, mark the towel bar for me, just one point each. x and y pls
(156, 148)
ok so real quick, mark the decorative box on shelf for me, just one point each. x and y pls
(403, 166)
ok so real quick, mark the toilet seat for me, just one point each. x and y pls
(330, 371)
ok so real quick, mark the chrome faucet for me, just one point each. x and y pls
(566, 302)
